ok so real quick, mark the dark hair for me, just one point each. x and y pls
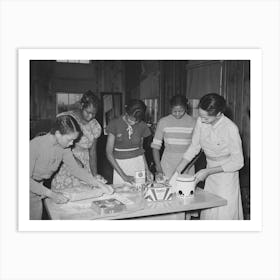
(179, 100)
(89, 98)
(136, 108)
(65, 124)
(212, 103)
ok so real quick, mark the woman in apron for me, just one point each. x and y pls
(124, 147)
(175, 130)
(219, 138)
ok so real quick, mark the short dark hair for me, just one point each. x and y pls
(136, 108)
(89, 98)
(65, 124)
(179, 100)
(212, 103)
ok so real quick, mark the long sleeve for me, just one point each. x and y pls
(38, 188)
(236, 160)
(157, 140)
(35, 187)
(75, 169)
(195, 146)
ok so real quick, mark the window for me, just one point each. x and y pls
(74, 61)
(67, 101)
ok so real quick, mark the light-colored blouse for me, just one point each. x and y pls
(45, 157)
(221, 140)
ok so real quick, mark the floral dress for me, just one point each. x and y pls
(91, 131)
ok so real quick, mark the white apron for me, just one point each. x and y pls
(129, 167)
(226, 185)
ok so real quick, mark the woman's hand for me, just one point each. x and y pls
(58, 197)
(101, 179)
(160, 177)
(106, 189)
(201, 175)
(159, 169)
(150, 176)
(129, 179)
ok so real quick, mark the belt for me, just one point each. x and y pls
(126, 150)
(220, 158)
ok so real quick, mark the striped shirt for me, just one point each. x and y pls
(176, 133)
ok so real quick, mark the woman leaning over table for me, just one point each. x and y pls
(84, 150)
(46, 154)
(219, 138)
(125, 143)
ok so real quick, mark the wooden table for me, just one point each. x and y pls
(175, 209)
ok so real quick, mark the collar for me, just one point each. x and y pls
(126, 121)
(219, 121)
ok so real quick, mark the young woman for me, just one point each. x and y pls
(219, 138)
(124, 147)
(176, 132)
(46, 154)
(84, 150)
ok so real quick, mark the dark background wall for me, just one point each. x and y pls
(49, 77)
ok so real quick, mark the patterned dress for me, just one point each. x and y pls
(91, 131)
